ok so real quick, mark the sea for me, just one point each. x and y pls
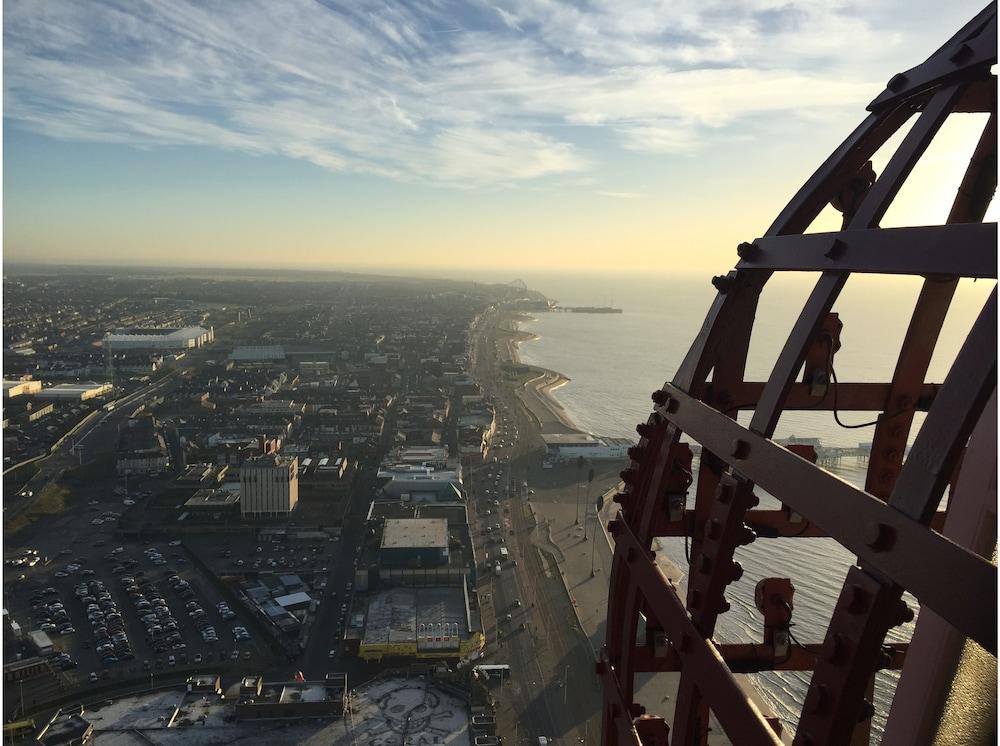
(613, 363)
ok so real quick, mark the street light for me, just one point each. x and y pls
(590, 478)
(579, 468)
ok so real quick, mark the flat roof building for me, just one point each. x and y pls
(257, 353)
(20, 388)
(567, 446)
(75, 391)
(186, 338)
(420, 622)
(212, 500)
(269, 486)
(414, 542)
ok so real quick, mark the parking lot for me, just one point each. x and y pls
(132, 609)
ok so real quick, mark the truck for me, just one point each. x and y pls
(504, 554)
(496, 569)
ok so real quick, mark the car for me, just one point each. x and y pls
(197, 657)
(171, 661)
(93, 676)
(174, 543)
(61, 574)
(235, 656)
(47, 626)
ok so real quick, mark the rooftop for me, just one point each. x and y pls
(569, 439)
(400, 533)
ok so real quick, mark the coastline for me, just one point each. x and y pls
(535, 392)
(536, 395)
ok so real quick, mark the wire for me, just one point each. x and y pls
(796, 641)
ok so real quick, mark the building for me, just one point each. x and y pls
(20, 388)
(414, 542)
(141, 447)
(26, 411)
(431, 622)
(75, 391)
(186, 338)
(257, 354)
(41, 641)
(269, 486)
(570, 446)
(420, 484)
(292, 699)
(67, 728)
(212, 501)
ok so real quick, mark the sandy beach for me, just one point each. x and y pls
(536, 392)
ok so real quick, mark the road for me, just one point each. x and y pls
(552, 690)
(98, 433)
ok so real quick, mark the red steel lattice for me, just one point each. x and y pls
(894, 526)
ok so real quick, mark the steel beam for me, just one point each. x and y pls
(962, 250)
(956, 583)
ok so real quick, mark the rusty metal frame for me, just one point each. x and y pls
(893, 525)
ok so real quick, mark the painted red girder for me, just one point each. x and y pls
(894, 525)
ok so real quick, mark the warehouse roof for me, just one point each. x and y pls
(400, 533)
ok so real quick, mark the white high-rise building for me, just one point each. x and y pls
(269, 486)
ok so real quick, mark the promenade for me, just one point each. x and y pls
(558, 533)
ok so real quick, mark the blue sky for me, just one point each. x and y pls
(426, 132)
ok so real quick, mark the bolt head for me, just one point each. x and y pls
(879, 536)
(739, 449)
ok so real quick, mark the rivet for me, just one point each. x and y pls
(735, 572)
(635, 452)
(627, 475)
(637, 710)
(747, 251)
(896, 82)
(659, 396)
(961, 54)
(903, 614)
(834, 648)
(836, 249)
(724, 606)
(694, 601)
(644, 429)
(672, 405)
(706, 563)
(726, 490)
(713, 529)
(722, 283)
(747, 536)
(739, 449)
(821, 699)
(879, 536)
(857, 599)
(867, 710)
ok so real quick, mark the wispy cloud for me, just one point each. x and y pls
(450, 94)
(622, 195)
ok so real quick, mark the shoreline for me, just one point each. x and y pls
(536, 392)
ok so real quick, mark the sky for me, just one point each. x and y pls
(457, 139)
